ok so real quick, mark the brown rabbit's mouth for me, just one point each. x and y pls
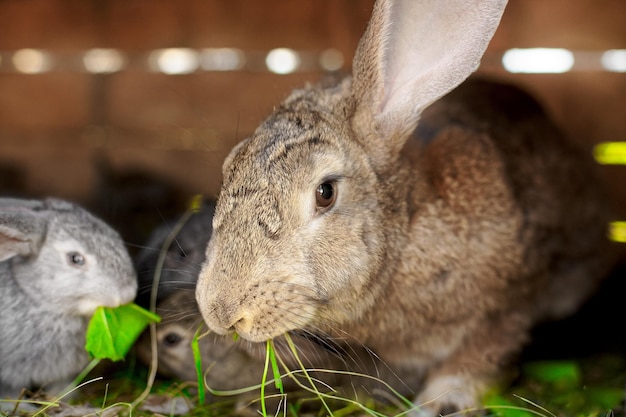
(267, 325)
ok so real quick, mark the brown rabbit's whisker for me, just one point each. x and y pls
(365, 360)
(140, 246)
(182, 317)
(181, 282)
(347, 353)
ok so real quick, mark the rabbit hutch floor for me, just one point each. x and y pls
(571, 368)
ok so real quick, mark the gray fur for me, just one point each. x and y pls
(183, 258)
(47, 301)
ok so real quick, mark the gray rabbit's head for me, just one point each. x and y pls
(64, 258)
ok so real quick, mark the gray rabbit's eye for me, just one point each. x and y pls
(76, 259)
(172, 339)
(325, 195)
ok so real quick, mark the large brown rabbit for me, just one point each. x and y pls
(437, 249)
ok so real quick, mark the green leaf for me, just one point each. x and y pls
(607, 398)
(561, 373)
(113, 331)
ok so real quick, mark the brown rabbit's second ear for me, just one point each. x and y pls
(231, 155)
(412, 53)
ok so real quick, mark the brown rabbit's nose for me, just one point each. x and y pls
(242, 325)
(231, 319)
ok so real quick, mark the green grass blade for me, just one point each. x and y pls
(278, 382)
(294, 351)
(94, 362)
(197, 357)
(156, 278)
(264, 379)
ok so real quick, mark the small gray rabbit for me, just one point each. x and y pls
(58, 263)
(437, 248)
(183, 258)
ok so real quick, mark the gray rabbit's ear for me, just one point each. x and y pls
(412, 53)
(22, 231)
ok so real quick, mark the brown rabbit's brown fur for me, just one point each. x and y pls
(437, 249)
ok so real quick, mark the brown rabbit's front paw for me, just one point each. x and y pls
(443, 408)
(447, 395)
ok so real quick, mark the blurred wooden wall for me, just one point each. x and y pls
(180, 127)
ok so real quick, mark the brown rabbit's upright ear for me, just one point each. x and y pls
(412, 53)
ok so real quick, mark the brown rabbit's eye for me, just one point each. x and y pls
(75, 258)
(325, 195)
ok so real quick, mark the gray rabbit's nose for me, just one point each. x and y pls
(122, 297)
(128, 294)
(115, 297)
(88, 305)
